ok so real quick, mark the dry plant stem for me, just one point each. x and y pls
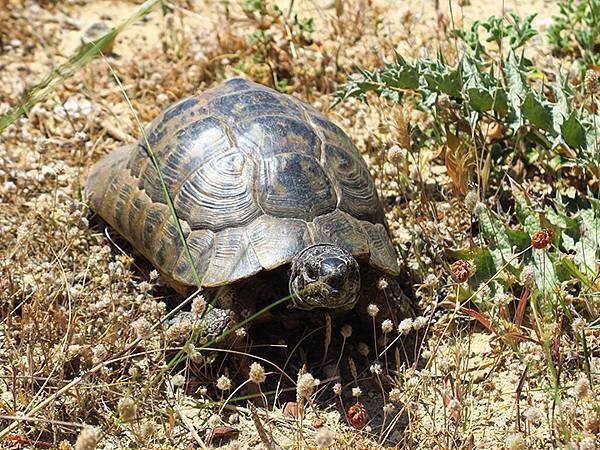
(267, 440)
(190, 426)
(76, 381)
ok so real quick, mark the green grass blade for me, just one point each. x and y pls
(81, 58)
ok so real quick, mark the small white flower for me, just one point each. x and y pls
(395, 395)
(337, 388)
(178, 380)
(376, 368)
(528, 276)
(372, 310)
(533, 415)
(420, 322)
(388, 408)
(356, 392)
(405, 326)
(241, 332)
(387, 326)
(257, 373)
(502, 299)
(579, 325)
(223, 383)
(382, 284)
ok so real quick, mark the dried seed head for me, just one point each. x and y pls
(198, 305)
(462, 270)
(579, 325)
(147, 429)
(305, 386)
(419, 322)
(454, 407)
(430, 281)
(127, 409)
(387, 326)
(363, 349)
(543, 238)
(257, 373)
(372, 310)
(471, 200)
(382, 284)
(376, 369)
(388, 408)
(405, 326)
(587, 443)
(142, 328)
(87, 439)
(396, 155)
(581, 389)
(318, 422)
(590, 82)
(324, 438)
(395, 395)
(533, 415)
(223, 383)
(514, 442)
(178, 380)
(337, 388)
(346, 331)
(528, 276)
(357, 414)
(214, 421)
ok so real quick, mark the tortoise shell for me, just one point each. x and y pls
(255, 177)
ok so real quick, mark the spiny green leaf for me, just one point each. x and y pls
(573, 132)
(495, 233)
(545, 276)
(526, 215)
(517, 90)
(537, 113)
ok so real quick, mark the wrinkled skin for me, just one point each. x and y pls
(324, 276)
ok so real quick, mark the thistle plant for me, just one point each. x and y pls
(488, 97)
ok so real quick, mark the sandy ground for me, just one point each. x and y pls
(44, 227)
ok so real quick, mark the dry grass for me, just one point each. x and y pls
(86, 350)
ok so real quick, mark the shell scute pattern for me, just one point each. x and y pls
(342, 230)
(232, 258)
(296, 186)
(252, 102)
(220, 193)
(190, 147)
(267, 233)
(270, 135)
(160, 131)
(355, 185)
(255, 177)
(200, 243)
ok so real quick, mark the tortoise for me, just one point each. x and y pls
(260, 181)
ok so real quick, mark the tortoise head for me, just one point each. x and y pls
(324, 276)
